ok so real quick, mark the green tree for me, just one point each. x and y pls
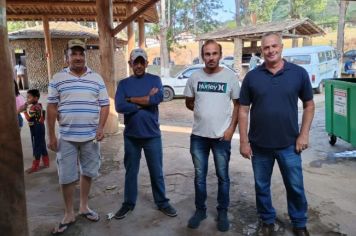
(263, 9)
(298, 9)
(193, 16)
(15, 25)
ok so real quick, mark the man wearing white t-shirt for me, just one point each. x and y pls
(210, 94)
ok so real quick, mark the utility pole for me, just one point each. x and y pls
(341, 27)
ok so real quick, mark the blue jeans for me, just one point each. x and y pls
(152, 148)
(199, 149)
(38, 138)
(290, 165)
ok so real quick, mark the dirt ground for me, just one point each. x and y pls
(329, 182)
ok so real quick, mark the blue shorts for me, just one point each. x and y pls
(77, 157)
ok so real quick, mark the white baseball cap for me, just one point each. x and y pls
(138, 52)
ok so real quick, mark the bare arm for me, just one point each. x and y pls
(229, 132)
(245, 148)
(308, 115)
(52, 112)
(104, 113)
(189, 103)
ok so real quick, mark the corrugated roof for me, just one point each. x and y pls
(292, 28)
(71, 10)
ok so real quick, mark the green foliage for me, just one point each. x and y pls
(15, 25)
(193, 16)
(263, 9)
(300, 9)
(231, 24)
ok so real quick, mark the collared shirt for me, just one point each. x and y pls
(274, 104)
(79, 102)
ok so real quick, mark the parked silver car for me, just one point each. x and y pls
(174, 86)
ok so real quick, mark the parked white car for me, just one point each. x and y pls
(229, 61)
(174, 86)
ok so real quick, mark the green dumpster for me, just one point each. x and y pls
(340, 110)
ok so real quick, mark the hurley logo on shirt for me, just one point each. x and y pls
(214, 87)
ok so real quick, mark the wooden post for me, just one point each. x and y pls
(130, 38)
(130, 32)
(106, 44)
(307, 41)
(238, 44)
(294, 40)
(341, 28)
(13, 217)
(141, 32)
(48, 42)
(254, 47)
(201, 42)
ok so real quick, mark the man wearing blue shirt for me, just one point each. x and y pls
(272, 91)
(348, 67)
(138, 97)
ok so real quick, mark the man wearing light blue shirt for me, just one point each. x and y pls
(77, 97)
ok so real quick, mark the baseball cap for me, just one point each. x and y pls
(138, 52)
(76, 43)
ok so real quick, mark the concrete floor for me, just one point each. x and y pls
(330, 187)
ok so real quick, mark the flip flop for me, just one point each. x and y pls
(91, 216)
(62, 227)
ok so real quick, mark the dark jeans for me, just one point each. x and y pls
(200, 148)
(152, 148)
(38, 140)
(290, 165)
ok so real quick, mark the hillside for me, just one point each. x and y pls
(186, 54)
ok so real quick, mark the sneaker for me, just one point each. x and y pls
(301, 231)
(267, 229)
(121, 214)
(195, 220)
(169, 211)
(223, 222)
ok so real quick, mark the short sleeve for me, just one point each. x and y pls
(235, 88)
(53, 95)
(245, 98)
(189, 90)
(103, 93)
(306, 91)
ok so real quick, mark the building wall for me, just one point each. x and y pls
(36, 61)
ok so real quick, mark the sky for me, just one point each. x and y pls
(228, 11)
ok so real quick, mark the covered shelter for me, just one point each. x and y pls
(289, 29)
(29, 43)
(124, 13)
(105, 13)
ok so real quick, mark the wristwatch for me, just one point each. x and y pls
(128, 99)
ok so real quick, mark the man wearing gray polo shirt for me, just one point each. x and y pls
(77, 97)
(212, 93)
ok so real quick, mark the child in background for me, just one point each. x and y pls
(35, 117)
(20, 104)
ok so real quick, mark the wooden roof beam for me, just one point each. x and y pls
(46, 3)
(133, 17)
(38, 16)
